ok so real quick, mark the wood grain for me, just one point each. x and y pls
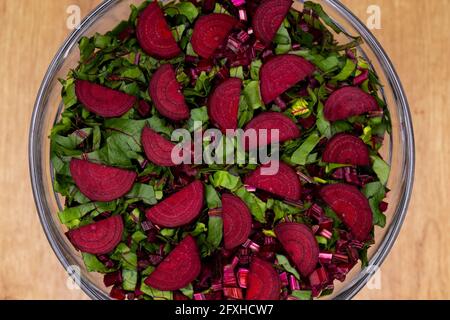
(415, 35)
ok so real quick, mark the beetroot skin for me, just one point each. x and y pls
(210, 32)
(281, 73)
(348, 102)
(268, 18)
(154, 35)
(103, 101)
(98, 238)
(180, 208)
(346, 149)
(180, 268)
(351, 206)
(299, 242)
(223, 104)
(99, 182)
(285, 183)
(166, 94)
(263, 282)
(157, 148)
(237, 221)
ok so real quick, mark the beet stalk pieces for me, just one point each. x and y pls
(103, 101)
(180, 208)
(351, 206)
(284, 184)
(346, 149)
(210, 32)
(154, 35)
(99, 237)
(223, 104)
(99, 182)
(348, 102)
(166, 94)
(268, 18)
(237, 221)
(157, 148)
(178, 269)
(263, 282)
(281, 73)
(300, 244)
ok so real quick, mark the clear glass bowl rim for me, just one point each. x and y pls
(385, 246)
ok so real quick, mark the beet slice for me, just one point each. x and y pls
(157, 148)
(268, 18)
(281, 73)
(263, 282)
(299, 242)
(346, 149)
(166, 94)
(348, 102)
(178, 269)
(103, 101)
(223, 104)
(351, 206)
(100, 182)
(98, 238)
(237, 221)
(285, 183)
(154, 35)
(210, 32)
(287, 128)
(180, 208)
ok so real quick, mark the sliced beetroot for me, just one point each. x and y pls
(348, 102)
(180, 208)
(103, 101)
(351, 206)
(210, 32)
(346, 149)
(300, 244)
(287, 128)
(98, 238)
(166, 94)
(285, 183)
(237, 221)
(99, 182)
(223, 104)
(263, 282)
(178, 269)
(281, 73)
(157, 148)
(268, 18)
(154, 35)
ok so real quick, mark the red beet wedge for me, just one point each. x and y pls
(166, 94)
(346, 149)
(281, 73)
(98, 238)
(287, 128)
(351, 206)
(103, 101)
(154, 35)
(299, 242)
(237, 221)
(180, 208)
(179, 269)
(99, 182)
(285, 183)
(157, 148)
(210, 32)
(348, 102)
(263, 282)
(223, 104)
(268, 18)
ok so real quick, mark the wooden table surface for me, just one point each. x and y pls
(415, 34)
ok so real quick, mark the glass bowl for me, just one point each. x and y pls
(398, 150)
